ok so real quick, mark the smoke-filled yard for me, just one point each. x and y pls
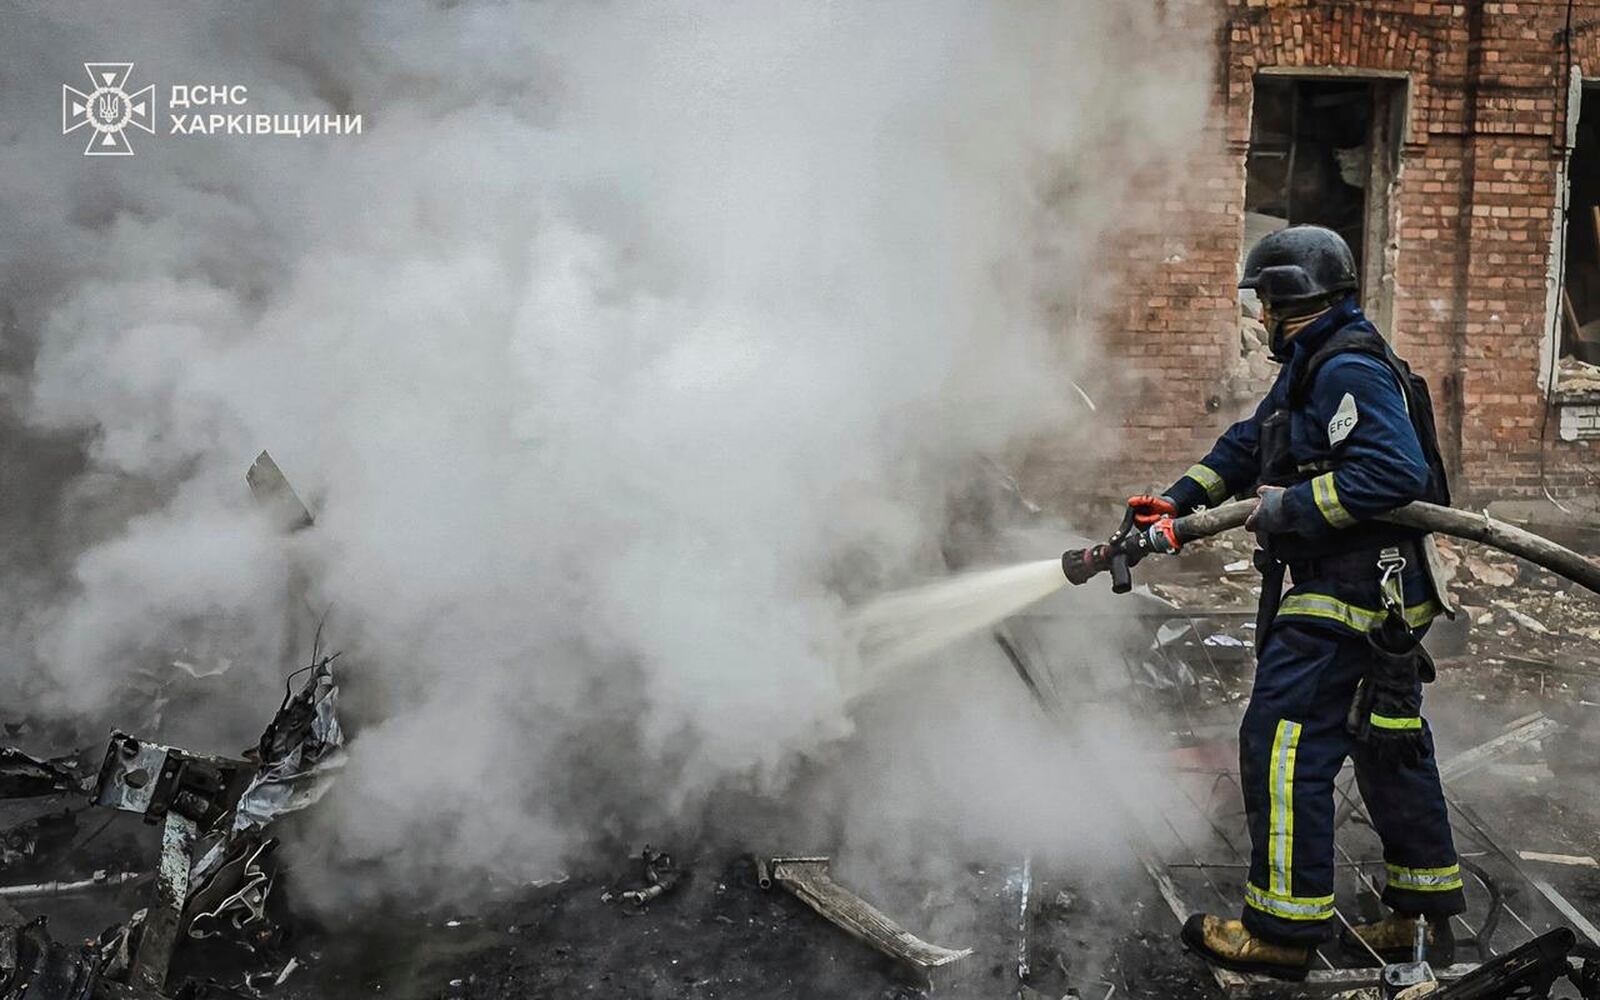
(459, 452)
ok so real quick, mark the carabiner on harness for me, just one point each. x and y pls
(1391, 564)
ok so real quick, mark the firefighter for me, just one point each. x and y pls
(1346, 432)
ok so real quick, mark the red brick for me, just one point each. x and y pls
(1481, 354)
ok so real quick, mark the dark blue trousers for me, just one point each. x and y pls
(1292, 744)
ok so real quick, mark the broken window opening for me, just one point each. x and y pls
(1580, 287)
(1325, 152)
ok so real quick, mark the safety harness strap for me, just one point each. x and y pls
(1271, 596)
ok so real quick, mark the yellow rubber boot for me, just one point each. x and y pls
(1227, 943)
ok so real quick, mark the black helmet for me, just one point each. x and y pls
(1300, 264)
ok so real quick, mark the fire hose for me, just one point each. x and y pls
(1129, 545)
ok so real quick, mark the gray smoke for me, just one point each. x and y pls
(626, 346)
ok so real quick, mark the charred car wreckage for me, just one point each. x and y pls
(216, 871)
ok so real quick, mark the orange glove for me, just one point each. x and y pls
(1147, 510)
(1163, 535)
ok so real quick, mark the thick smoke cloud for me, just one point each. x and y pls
(624, 348)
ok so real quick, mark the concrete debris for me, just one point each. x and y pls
(1522, 618)
(1578, 376)
(1255, 362)
(1490, 573)
(1449, 558)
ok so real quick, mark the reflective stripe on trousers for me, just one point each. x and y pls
(1425, 879)
(1289, 907)
(1279, 899)
(1280, 819)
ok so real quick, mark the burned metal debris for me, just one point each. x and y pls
(272, 491)
(216, 888)
(661, 875)
(812, 883)
(216, 870)
(25, 777)
(37, 837)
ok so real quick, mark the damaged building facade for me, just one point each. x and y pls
(1457, 148)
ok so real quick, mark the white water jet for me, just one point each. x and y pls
(899, 628)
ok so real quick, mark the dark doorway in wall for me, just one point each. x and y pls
(1326, 151)
(1580, 292)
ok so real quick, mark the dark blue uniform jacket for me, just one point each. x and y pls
(1361, 455)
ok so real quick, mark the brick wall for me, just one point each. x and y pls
(1476, 208)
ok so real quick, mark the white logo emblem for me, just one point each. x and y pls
(1344, 420)
(107, 109)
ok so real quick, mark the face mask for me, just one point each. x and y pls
(1282, 329)
(1277, 343)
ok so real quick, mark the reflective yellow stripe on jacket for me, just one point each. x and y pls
(1207, 478)
(1326, 495)
(1330, 608)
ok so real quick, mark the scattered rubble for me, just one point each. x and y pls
(1578, 376)
(1527, 644)
(24, 777)
(661, 875)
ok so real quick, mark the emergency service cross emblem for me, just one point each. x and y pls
(107, 109)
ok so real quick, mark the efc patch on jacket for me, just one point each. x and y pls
(1343, 421)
